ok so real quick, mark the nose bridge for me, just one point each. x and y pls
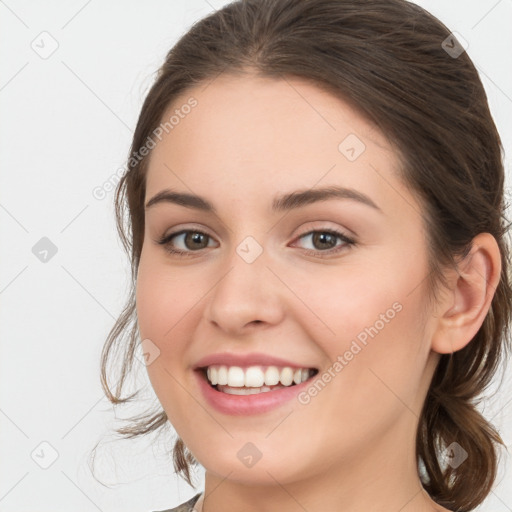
(247, 291)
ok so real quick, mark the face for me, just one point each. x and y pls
(334, 284)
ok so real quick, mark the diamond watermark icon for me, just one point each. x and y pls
(150, 352)
(249, 455)
(454, 45)
(44, 455)
(351, 147)
(454, 455)
(44, 250)
(249, 249)
(45, 45)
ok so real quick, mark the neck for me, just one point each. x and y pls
(378, 478)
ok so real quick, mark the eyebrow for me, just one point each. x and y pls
(285, 202)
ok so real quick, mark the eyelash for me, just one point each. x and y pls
(348, 242)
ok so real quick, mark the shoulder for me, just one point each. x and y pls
(184, 507)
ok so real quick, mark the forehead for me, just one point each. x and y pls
(248, 133)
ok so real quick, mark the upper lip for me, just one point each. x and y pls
(251, 359)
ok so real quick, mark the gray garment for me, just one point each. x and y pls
(185, 507)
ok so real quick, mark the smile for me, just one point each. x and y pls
(248, 390)
(237, 380)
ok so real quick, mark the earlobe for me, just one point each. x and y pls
(466, 304)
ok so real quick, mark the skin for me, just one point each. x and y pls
(352, 447)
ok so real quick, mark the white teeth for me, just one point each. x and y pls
(286, 376)
(255, 376)
(222, 375)
(212, 375)
(236, 377)
(272, 376)
(246, 391)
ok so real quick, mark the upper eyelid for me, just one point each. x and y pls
(347, 243)
(340, 233)
(194, 229)
(343, 230)
(186, 229)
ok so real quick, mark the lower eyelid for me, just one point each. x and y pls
(172, 236)
(337, 234)
(346, 241)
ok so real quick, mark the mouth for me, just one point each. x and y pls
(252, 380)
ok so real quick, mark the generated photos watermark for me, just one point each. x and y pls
(356, 346)
(101, 192)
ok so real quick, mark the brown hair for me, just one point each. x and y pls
(387, 59)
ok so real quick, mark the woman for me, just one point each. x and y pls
(320, 287)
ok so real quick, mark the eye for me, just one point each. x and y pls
(325, 241)
(190, 241)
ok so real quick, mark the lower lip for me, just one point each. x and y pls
(242, 405)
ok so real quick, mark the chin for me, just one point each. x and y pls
(265, 471)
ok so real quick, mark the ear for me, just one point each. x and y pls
(464, 305)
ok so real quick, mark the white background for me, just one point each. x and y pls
(66, 124)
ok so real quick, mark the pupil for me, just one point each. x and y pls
(196, 237)
(321, 237)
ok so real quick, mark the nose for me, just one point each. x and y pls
(246, 295)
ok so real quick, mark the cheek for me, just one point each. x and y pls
(369, 320)
(164, 310)
(349, 303)
(162, 299)
(376, 359)
(164, 307)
